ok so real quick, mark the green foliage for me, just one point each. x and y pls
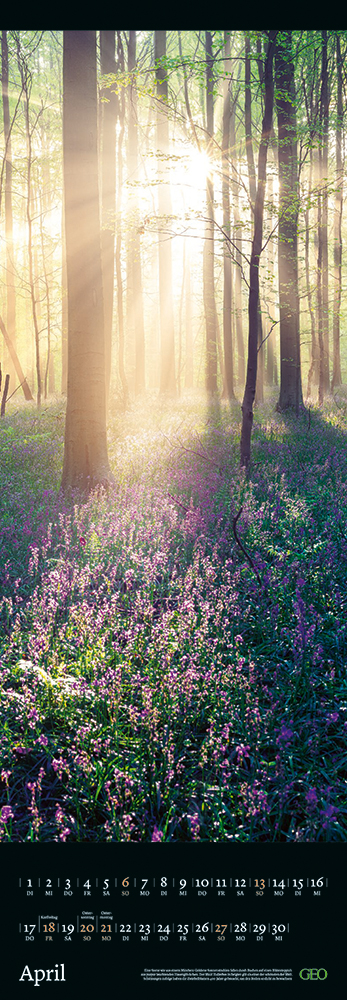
(152, 687)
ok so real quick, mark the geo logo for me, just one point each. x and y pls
(313, 973)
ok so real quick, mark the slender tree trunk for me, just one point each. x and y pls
(85, 453)
(252, 193)
(208, 253)
(227, 271)
(34, 304)
(108, 190)
(10, 270)
(180, 314)
(167, 333)
(313, 372)
(248, 126)
(270, 266)
(324, 211)
(4, 395)
(15, 361)
(134, 255)
(336, 375)
(121, 342)
(188, 323)
(26, 82)
(48, 300)
(64, 316)
(290, 385)
(51, 374)
(237, 239)
(253, 302)
(320, 321)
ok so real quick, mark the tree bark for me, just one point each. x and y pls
(85, 454)
(4, 396)
(15, 361)
(208, 252)
(26, 81)
(135, 298)
(252, 193)
(64, 317)
(253, 301)
(10, 270)
(336, 374)
(313, 372)
(290, 384)
(323, 229)
(167, 333)
(248, 125)
(121, 340)
(189, 355)
(227, 271)
(108, 190)
(237, 239)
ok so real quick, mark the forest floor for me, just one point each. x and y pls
(169, 673)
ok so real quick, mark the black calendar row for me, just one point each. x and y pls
(104, 924)
(126, 883)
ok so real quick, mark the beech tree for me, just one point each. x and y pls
(10, 269)
(336, 375)
(252, 195)
(290, 383)
(167, 334)
(227, 271)
(108, 189)
(85, 451)
(208, 260)
(253, 301)
(135, 297)
(322, 257)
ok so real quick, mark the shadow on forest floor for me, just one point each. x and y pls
(156, 683)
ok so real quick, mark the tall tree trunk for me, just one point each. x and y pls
(108, 190)
(237, 240)
(134, 255)
(48, 365)
(26, 87)
(10, 269)
(290, 385)
(208, 253)
(320, 321)
(248, 126)
(336, 374)
(85, 453)
(227, 271)
(188, 381)
(270, 267)
(121, 117)
(167, 333)
(324, 211)
(252, 193)
(64, 316)
(313, 372)
(253, 301)
(179, 324)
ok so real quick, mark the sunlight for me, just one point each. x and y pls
(199, 167)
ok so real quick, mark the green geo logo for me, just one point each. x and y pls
(313, 973)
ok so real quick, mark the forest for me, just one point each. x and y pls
(173, 400)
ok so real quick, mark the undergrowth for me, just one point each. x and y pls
(164, 674)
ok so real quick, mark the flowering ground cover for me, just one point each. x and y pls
(169, 672)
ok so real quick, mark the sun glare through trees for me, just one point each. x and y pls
(173, 502)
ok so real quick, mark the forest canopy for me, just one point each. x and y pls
(180, 119)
